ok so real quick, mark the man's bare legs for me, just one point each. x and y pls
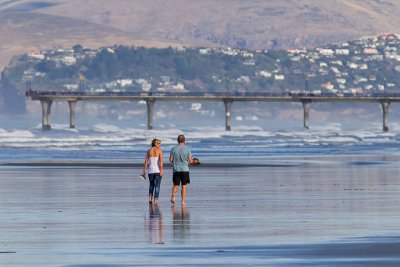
(174, 190)
(183, 193)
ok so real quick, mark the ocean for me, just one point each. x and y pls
(115, 143)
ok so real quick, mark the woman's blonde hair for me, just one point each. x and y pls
(155, 140)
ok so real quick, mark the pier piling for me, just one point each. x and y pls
(72, 106)
(228, 112)
(46, 109)
(150, 108)
(306, 108)
(385, 111)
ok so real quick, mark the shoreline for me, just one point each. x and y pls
(134, 165)
(235, 162)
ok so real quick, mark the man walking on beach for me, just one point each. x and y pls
(181, 157)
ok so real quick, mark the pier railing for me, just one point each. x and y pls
(35, 94)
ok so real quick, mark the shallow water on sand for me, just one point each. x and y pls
(299, 211)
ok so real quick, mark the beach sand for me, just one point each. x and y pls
(300, 211)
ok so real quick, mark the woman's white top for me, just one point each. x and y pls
(154, 165)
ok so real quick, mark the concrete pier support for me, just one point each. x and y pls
(306, 108)
(228, 112)
(150, 108)
(385, 111)
(72, 106)
(46, 110)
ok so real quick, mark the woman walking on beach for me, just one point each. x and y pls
(154, 166)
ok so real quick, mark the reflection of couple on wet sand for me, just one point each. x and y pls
(180, 157)
(155, 225)
(181, 222)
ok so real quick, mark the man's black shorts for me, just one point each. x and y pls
(181, 178)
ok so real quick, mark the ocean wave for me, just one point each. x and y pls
(110, 140)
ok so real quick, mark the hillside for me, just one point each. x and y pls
(247, 24)
(252, 24)
(363, 66)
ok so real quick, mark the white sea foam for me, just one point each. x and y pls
(111, 140)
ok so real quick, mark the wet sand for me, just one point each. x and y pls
(326, 211)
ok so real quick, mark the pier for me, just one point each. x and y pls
(46, 99)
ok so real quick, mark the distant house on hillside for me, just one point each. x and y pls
(370, 50)
(246, 54)
(243, 78)
(326, 52)
(344, 52)
(68, 60)
(229, 51)
(124, 82)
(264, 73)
(204, 51)
(328, 86)
(341, 81)
(353, 65)
(387, 37)
(35, 54)
(337, 62)
(296, 51)
(249, 62)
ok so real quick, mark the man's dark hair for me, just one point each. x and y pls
(181, 139)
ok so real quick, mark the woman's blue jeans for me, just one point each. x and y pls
(155, 183)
